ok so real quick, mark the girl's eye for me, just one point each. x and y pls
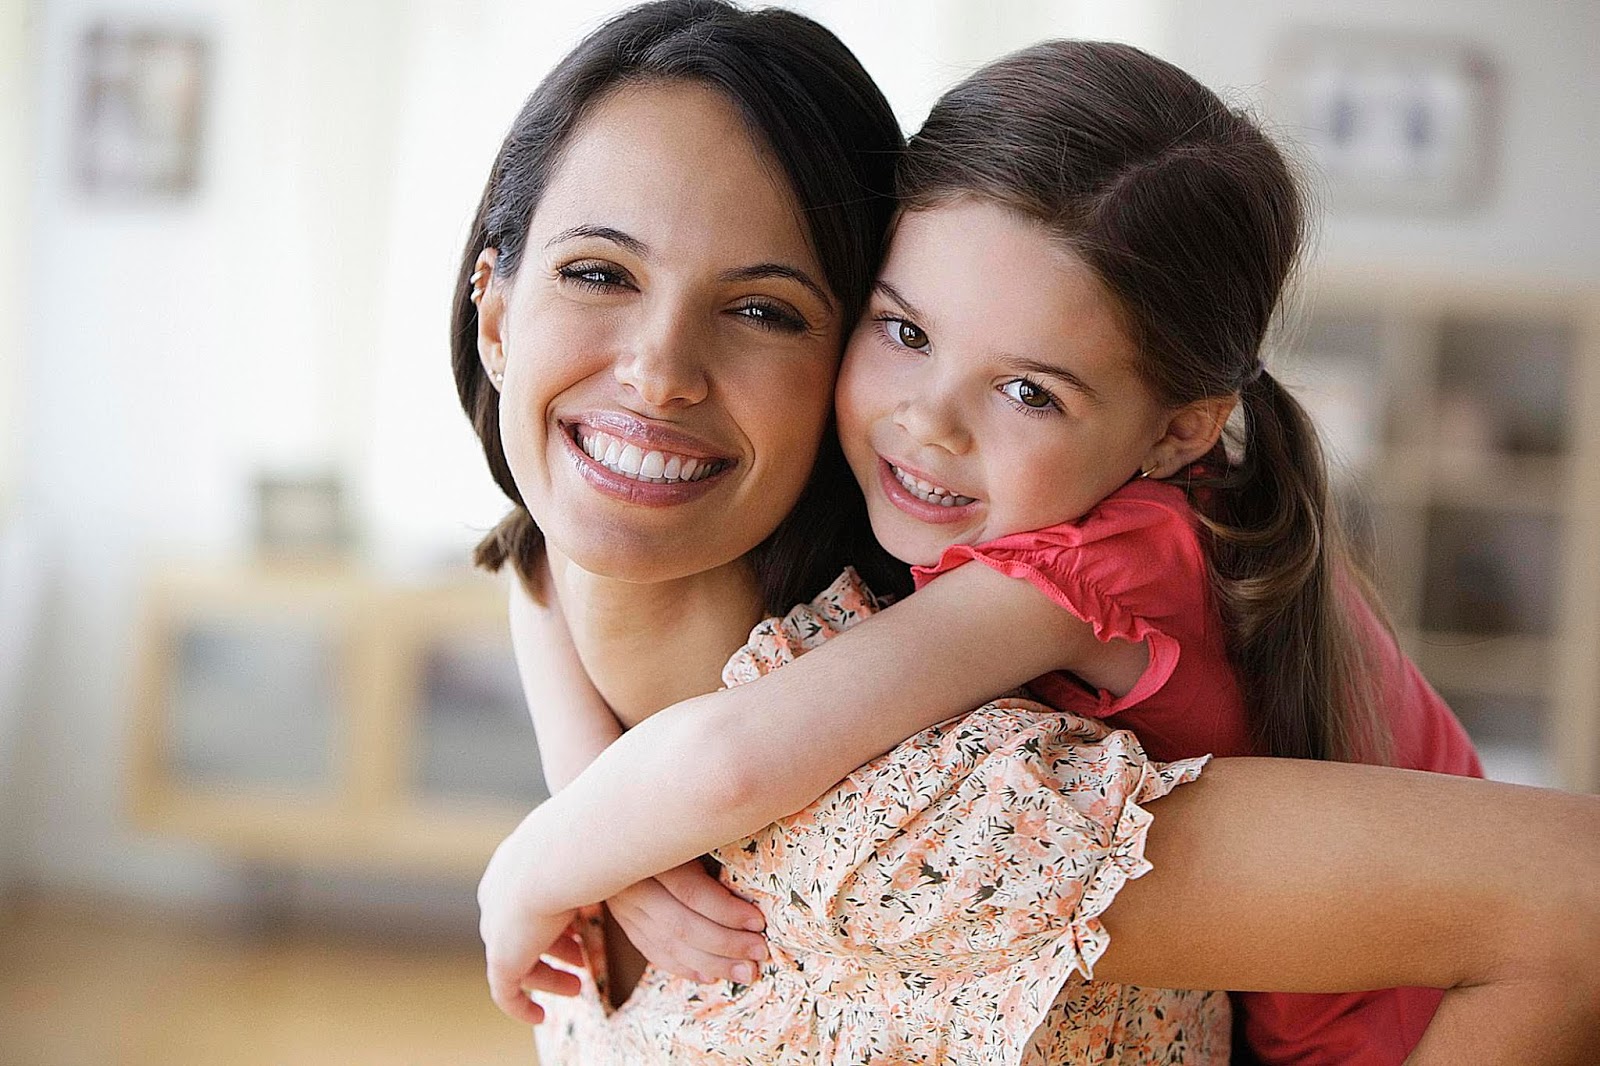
(599, 276)
(772, 316)
(1025, 394)
(905, 333)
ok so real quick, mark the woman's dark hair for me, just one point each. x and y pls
(807, 100)
(1191, 218)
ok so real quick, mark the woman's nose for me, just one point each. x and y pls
(931, 419)
(665, 363)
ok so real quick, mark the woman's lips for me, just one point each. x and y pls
(640, 463)
(916, 506)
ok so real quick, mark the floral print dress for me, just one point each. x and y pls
(940, 905)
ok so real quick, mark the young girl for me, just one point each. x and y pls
(1090, 251)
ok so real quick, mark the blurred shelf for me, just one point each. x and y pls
(1481, 664)
(331, 716)
(1466, 413)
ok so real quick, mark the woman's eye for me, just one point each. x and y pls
(905, 333)
(772, 316)
(594, 275)
(1029, 395)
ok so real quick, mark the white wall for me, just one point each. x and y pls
(1541, 218)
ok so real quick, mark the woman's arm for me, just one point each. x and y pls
(1315, 877)
(719, 767)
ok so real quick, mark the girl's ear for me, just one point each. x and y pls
(489, 294)
(1192, 431)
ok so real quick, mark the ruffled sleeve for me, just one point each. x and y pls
(1128, 568)
(777, 641)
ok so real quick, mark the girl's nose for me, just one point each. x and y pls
(931, 419)
(664, 365)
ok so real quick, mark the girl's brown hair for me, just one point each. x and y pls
(1191, 218)
(809, 102)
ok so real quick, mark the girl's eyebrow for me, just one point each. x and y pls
(894, 294)
(1060, 373)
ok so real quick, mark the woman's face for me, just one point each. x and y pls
(668, 344)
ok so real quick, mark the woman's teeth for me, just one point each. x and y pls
(929, 493)
(634, 462)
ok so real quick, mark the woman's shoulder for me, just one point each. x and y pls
(776, 641)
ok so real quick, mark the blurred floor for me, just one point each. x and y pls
(87, 985)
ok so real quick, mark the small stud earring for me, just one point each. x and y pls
(498, 377)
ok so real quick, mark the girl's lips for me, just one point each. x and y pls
(647, 437)
(920, 509)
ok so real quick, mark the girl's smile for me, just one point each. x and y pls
(991, 389)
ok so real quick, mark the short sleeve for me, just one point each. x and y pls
(989, 838)
(1126, 568)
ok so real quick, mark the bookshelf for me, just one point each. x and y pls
(308, 713)
(1463, 418)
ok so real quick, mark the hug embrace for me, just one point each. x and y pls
(1089, 742)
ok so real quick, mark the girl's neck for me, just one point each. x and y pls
(649, 645)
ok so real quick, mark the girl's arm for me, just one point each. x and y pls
(719, 767)
(683, 920)
(571, 720)
(1314, 877)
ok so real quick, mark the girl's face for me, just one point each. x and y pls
(990, 388)
(668, 344)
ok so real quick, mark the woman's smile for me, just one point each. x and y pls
(641, 462)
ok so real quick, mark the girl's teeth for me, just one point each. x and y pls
(653, 466)
(673, 468)
(928, 492)
(613, 451)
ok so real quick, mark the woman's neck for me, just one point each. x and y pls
(649, 645)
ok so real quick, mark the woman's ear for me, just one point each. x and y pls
(489, 296)
(1191, 432)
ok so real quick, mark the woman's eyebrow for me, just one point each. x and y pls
(615, 236)
(777, 270)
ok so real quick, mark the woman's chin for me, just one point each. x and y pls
(635, 558)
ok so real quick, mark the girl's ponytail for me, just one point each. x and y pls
(1283, 580)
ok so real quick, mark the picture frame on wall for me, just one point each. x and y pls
(1393, 122)
(141, 102)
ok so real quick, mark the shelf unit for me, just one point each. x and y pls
(1463, 418)
(311, 713)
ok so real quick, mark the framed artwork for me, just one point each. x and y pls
(140, 110)
(1393, 121)
(301, 517)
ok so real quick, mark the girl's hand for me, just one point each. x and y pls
(687, 923)
(516, 932)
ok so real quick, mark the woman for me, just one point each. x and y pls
(664, 255)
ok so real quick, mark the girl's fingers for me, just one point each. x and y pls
(675, 922)
(567, 949)
(513, 1002)
(546, 978)
(699, 891)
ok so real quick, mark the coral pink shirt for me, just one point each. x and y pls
(1134, 568)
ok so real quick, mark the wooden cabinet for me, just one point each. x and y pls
(319, 713)
(1464, 421)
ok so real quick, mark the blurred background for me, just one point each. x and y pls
(259, 728)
